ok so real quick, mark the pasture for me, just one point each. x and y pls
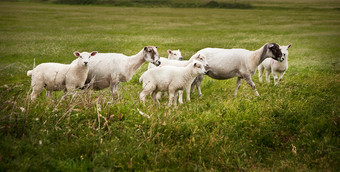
(293, 126)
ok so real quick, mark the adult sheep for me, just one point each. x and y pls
(240, 63)
(109, 69)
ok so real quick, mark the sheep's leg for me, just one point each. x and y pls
(180, 97)
(113, 89)
(143, 94)
(171, 97)
(34, 94)
(49, 94)
(36, 89)
(197, 83)
(238, 83)
(199, 89)
(154, 97)
(159, 95)
(193, 86)
(280, 77)
(261, 69)
(252, 85)
(146, 91)
(276, 79)
(175, 97)
(71, 90)
(268, 76)
(188, 93)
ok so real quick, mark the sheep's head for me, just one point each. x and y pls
(151, 55)
(84, 57)
(198, 67)
(284, 50)
(175, 55)
(275, 52)
(201, 58)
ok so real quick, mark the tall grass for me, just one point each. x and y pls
(293, 126)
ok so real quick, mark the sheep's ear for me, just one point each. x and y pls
(169, 51)
(94, 53)
(289, 46)
(271, 45)
(77, 54)
(195, 64)
(145, 48)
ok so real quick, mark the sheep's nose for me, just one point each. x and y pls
(86, 63)
(181, 58)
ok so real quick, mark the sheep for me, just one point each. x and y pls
(240, 63)
(275, 67)
(109, 69)
(56, 76)
(171, 79)
(183, 63)
(173, 55)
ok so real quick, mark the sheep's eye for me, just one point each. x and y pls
(175, 54)
(198, 66)
(80, 57)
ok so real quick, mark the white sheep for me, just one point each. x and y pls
(56, 76)
(171, 79)
(109, 69)
(240, 63)
(173, 55)
(198, 57)
(274, 67)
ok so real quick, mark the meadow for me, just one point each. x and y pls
(290, 127)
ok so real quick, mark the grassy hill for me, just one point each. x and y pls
(293, 126)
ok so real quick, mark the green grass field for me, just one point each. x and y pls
(290, 127)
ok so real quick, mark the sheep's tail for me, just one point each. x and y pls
(29, 73)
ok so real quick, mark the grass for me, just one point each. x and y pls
(293, 126)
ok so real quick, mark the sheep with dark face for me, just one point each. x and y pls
(109, 69)
(240, 63)
(275, 67)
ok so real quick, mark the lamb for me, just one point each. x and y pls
(240, 63)
(183, 63)
(109, 69)
(56, 76)
(171, 79)
(275, 67)
(173, 55)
